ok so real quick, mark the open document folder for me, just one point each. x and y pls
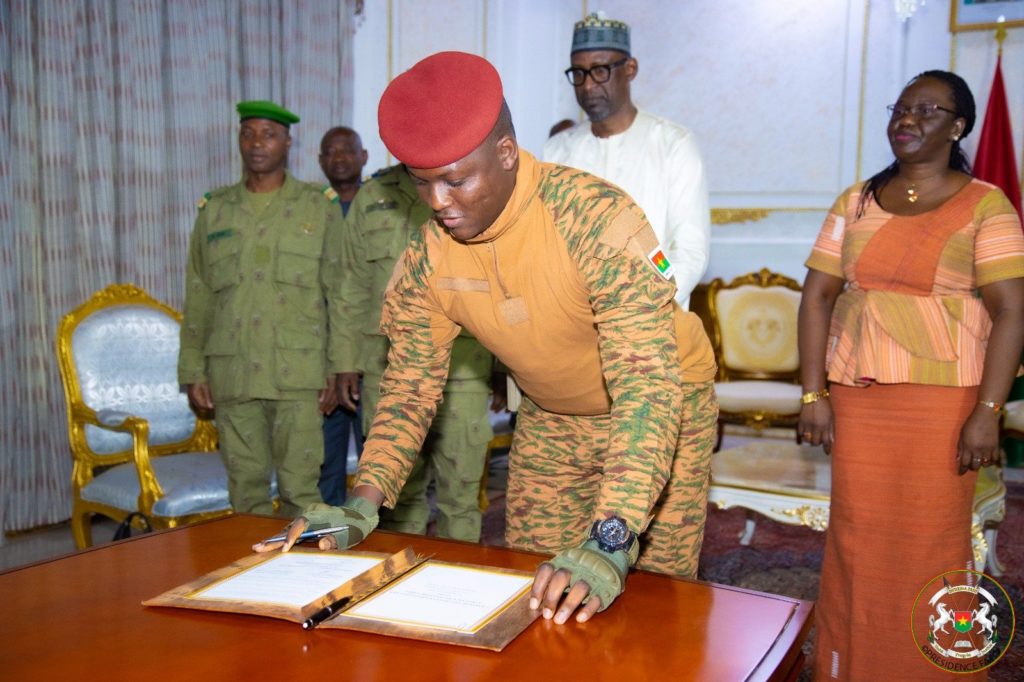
(402, 595)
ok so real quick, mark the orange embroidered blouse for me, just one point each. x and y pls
(910, 311)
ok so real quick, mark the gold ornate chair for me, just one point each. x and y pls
(136, 444)
(754, 334)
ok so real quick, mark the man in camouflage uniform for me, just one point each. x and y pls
(560, 275)
(254, 336)
(385, 216)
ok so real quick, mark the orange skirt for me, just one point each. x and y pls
(900, 515)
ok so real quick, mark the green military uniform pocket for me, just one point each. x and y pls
(380, 242)
(298, 262)
(222, 262)
(471, 364)
(226, 376)
(382, 254)
(469, 411)
(462, 429)
(299, 356)
(297, 278)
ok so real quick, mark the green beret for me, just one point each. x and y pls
(265, 109)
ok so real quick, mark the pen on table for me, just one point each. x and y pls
(325, 613)
(307, 535)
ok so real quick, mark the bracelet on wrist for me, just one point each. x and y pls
(994, 406)
(813, 396)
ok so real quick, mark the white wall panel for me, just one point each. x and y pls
(423, 27)
(529, 42)
(370, 50)
(762, 84)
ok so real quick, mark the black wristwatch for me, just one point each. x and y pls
(612, 535)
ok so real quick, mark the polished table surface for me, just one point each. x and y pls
(80, 617)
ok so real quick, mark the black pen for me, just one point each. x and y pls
(308, 535)
(325, 613)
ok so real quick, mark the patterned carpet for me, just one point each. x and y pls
(786, 559)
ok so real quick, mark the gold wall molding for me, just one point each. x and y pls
(721, 216)
(724, 216)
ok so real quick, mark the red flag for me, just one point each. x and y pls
(996, 162)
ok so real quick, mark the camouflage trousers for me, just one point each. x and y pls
(260, 436)
(454, 455)
(555, 470)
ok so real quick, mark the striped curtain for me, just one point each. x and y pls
(116, 116)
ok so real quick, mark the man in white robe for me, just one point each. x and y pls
(655, 160)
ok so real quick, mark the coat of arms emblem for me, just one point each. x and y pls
(962, 630)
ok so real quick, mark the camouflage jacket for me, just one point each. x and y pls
(385, 216)
(570, 290)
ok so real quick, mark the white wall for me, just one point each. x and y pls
(787, 98)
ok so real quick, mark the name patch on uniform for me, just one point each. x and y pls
(661, 263)
(382, 205)
(219, 234)
(462, 284)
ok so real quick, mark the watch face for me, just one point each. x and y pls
(613, 532)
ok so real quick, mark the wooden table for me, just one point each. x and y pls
(79, 617)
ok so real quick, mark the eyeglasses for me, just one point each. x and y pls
(599, 73)
(918, 111)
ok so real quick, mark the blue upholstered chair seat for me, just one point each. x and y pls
(193, 483)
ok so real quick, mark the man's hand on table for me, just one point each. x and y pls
(594, 579)
(358, 515)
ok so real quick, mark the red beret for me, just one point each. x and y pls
(440, 110)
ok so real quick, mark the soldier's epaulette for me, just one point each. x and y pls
(386, 170)
(203, 200)
(331, 195)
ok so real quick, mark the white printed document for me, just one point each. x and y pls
(446, 596)
(291, 579)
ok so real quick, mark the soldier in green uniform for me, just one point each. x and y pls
(342, 159)
(255, 331)
(385, 216)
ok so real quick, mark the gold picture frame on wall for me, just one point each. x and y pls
(983, 15)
